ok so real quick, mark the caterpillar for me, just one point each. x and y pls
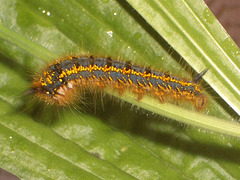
(63, 81)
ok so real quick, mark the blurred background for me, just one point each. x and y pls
(227, 12)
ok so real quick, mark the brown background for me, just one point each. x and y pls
(226, 11)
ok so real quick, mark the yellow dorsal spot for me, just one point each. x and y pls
(167, 79)
(128, 71)
(68, 72)
(146, 75)
(63, 74)
(45, 73)
(117, 70)
(98, 68)
(44, 84)
(89, 69)
(123, 71)
(106, 69)
(49, 79)
(75, 70)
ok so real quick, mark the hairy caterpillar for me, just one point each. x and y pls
(62, 82)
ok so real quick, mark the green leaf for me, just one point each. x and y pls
(121, 141)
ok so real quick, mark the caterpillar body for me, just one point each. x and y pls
(64, 80)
